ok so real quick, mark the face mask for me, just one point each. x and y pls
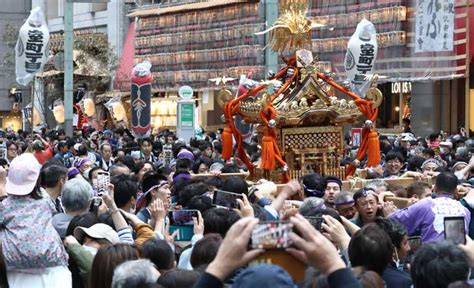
(397, 260)
(85, 174)
(459, 175)
(91, 250)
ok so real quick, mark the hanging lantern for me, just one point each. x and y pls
(36, 117)
(89, 107)
(58, 112)
(119, 111)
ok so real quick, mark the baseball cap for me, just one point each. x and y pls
(38, 145)
(97, 231)
(23, 175)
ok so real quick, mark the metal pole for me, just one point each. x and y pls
(467, 105)
(68, 65)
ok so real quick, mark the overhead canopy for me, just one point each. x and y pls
(147, 11)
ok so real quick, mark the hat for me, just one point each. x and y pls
(334, 179)
(38, 145)
(447, 144)
(97, 231)
(185, 153)
(271, 275)
(23, 174)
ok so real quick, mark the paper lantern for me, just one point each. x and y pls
(58, 112)
(163, 108)
(36, 117)
(173, 107)
(89, 107)
(361, 55)
(119, 111)
(31, 48)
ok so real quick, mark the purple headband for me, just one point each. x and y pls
(73, 172)
(344, 203)
(82, 161)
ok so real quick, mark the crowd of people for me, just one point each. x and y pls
(63, 225)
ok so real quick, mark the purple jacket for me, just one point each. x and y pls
(426, 218)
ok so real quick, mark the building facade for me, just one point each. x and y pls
(12, 15)
(187, 49)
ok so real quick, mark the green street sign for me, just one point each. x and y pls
(187, 115)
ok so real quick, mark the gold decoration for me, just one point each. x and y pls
(223, 97)
(292, 30)
(375, 94)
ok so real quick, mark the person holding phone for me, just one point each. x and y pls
(427, 215)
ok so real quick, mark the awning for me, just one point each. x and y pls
(149, 11)
(122, 76)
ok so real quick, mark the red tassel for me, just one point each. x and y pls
(268, 154)
(227, 144)
(373, 150)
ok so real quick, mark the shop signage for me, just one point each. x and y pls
(187, 115)
(186, 92)
(361, 55)
(401, 87)
(434, 26)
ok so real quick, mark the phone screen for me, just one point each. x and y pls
(226, 199)
(454, 229)
(182, 217)
(271, 235)
(316, 222)
(103, 180)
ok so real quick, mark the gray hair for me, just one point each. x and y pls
(134, 274)
(311, 203)
(76, 195)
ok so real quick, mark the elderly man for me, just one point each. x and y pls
(76, 199)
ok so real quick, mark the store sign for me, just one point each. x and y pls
(401, 87)
(434, 25)
(187, 115)
(31, 47)
(361, 55)
(186, 92)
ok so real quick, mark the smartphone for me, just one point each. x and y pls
(182, 217)
(316, 222)
(415, 243)
(226, 199)
(454, 229)
(103, 180)
(95, 204)
(271, 235)
(182, 221)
